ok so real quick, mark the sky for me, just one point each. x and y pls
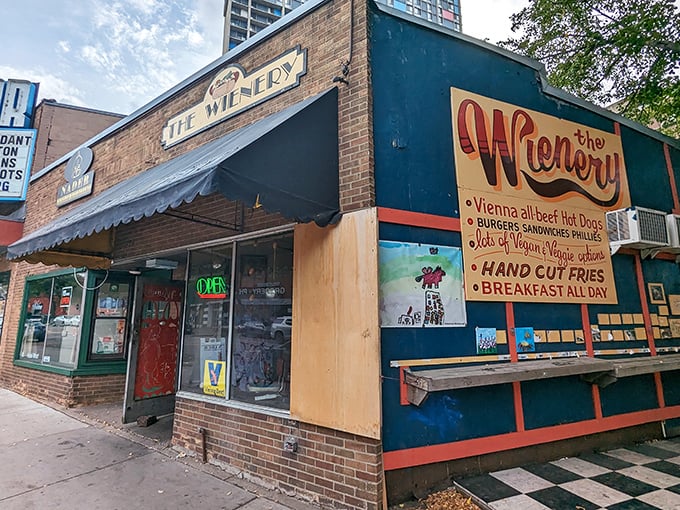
(117, 55)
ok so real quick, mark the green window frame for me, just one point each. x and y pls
(81, 299)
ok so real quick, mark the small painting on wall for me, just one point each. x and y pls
(486, 340)
(421, 285)
(524, 338)
(657, 296)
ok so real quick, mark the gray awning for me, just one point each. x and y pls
(287, 162)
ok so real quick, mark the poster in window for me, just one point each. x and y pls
(421, 285)
(214, 378)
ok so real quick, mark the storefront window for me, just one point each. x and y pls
(262, 318)
(52, 321)
(258, 344)
(206, 324)
(112, 302)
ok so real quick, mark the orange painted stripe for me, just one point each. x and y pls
(671, 179)
(510, 323)
(597, 402)
(643, 302)
(516, 385)
(658, 256)
(587, 332)
(648, 327)
(403, 399)
(411, 457)
(659, 389)
(588, 338)
(519, 406)
(417, 219)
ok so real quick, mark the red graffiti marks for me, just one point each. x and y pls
(158, 341)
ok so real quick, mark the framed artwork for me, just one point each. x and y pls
(674, 302)
(421, 285)
(657, 296)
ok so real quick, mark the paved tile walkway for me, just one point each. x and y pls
(640, 477)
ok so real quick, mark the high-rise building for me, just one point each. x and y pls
(245, 18)
(442, 12)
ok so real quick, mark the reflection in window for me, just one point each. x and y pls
(110, 320)
(206, 324)
(52, 321)
(258, 343)
(262, 302)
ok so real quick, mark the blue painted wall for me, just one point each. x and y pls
(413, 69)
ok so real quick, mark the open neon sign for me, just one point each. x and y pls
(211, 287)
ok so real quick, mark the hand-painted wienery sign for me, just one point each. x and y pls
(233, 91)
(533, 190)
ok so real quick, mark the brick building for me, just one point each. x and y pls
(59, 129)
(332, 171)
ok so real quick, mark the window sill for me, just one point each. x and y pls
(99, 369)
(269, 411)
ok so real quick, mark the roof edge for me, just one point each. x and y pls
(57, 104)
(260, 37)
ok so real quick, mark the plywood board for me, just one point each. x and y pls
(335, 367)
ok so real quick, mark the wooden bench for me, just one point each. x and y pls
(422, 382)
(629, 367)
(603, 372)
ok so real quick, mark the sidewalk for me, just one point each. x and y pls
(65, 458)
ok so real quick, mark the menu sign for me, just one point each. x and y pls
(533, 191)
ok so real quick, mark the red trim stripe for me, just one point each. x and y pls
(416, 219)
(403, 397)
(469, 448)
(671, 179)
(587, 332)
(588, 338)
(597, 402)
(643, 303)
(516, 386)
(510, 322)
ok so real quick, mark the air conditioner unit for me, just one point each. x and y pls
(673, 225)
(637, 227)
